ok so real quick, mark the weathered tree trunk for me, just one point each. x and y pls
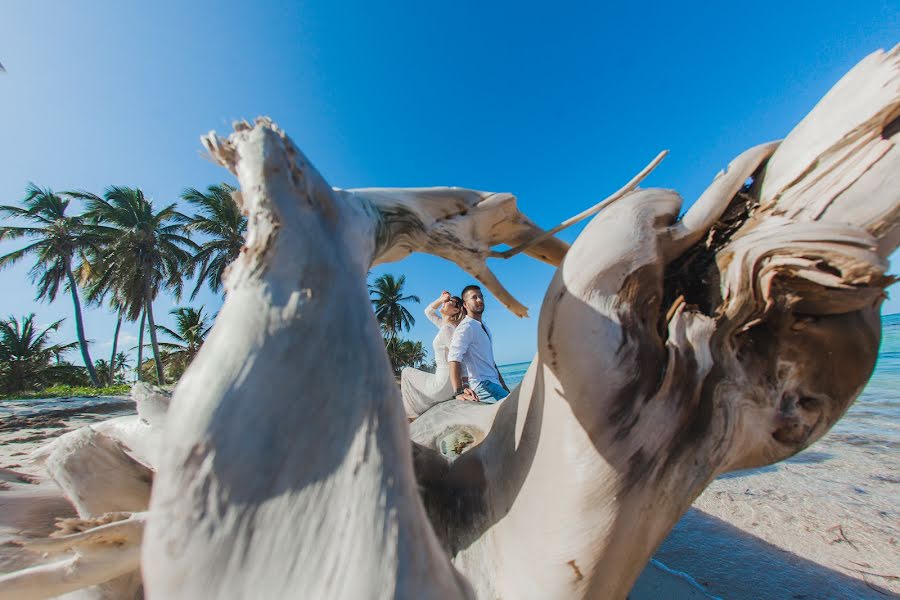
(669, 351)
(107, 556)
(79, 328)
(115, 345)
(291, 276)
(105, 470)
(140, 354)
(157, 361)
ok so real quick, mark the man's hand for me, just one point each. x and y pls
(468, 396)
(457, 382)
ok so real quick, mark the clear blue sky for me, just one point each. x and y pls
(557, 103)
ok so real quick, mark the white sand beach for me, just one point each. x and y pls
(30, 501)
(824, 524)
(821, 525)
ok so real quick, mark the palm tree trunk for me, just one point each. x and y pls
(141, 344)
(79, 329)
(112, 358)
(160, 379)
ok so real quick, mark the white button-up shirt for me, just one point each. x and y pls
(471, 345)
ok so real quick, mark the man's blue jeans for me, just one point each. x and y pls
(489, 392)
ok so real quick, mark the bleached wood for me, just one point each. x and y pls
(844, 136)
(708, 208)
(108, 467)
(448, 423)
(292, 499)
(388, 224)
(103, 469)
(103, 552)
(630, 408)
(631, 185)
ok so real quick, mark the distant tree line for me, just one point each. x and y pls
(388, 299)
(122, 251)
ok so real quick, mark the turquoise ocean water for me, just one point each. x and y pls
(872, 421)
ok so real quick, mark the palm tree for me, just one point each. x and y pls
(27, 357)
(192, 328)
(120, 365)
(388, 302)
(59, 239)
(219, 217)
(140, 346)
(414, 353)
(110, 373)
(96, 275)
(410, 354)
(103, 371)
(405, 353)
(115, 343)
(146, 251)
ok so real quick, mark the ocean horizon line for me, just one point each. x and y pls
(892, 316)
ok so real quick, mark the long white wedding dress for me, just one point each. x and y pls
(421, 390)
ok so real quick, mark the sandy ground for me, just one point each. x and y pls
(825, 524)
(29, 501)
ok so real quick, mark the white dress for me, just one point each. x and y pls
(421, 390)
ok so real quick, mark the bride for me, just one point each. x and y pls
(421, 390)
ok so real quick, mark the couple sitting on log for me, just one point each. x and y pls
(463, 353)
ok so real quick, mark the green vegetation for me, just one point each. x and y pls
(71, 391)
(27, 358)
(144, 250)
(122, 252)
(56, 238)
(192, 329)
(113, 373)
(387, 300)
(407, 353)
(219, 217)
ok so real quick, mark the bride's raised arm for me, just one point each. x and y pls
(431, 308)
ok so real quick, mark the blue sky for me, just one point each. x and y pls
(559, 104)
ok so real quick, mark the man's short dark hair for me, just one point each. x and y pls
(468, 288)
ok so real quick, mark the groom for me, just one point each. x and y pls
(472, 346)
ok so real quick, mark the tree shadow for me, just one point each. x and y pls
(731, 564)
(803, 458)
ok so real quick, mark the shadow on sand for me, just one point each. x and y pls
(732, 564)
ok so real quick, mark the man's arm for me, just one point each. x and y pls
(455, 374)
(456, 382)
(458, 346)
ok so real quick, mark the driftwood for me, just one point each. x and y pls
(106, 472)
(669, 351)
(102, 552)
